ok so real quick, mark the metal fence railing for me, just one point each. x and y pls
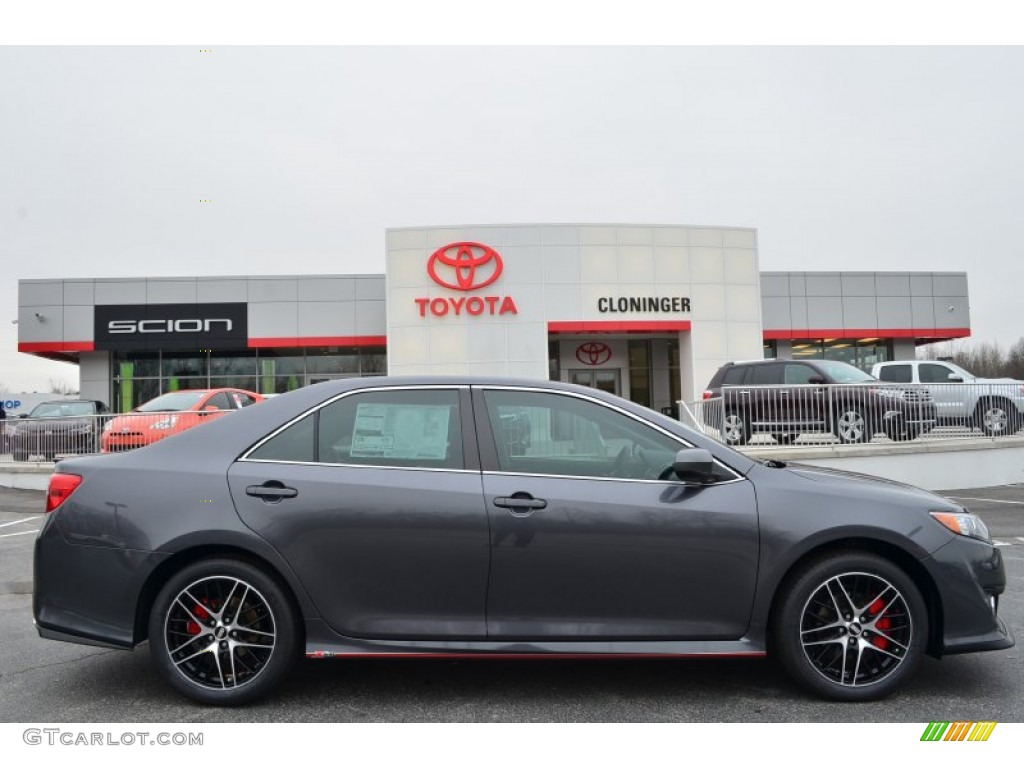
(46, 439)
(857, 413)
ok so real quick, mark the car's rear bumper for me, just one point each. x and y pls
(86, 593)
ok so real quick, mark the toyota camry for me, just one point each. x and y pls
(481, 518)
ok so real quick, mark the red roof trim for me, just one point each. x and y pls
(856, 333)
(319, 341)
(619, 326)
(33, 347)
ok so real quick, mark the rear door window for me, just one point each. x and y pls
(766, 374)
(934, 374)
(901, 374)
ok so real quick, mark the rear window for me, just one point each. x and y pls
(901, 374)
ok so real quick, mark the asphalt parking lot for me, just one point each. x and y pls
(45, 681)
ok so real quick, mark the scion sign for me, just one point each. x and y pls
(171, 326)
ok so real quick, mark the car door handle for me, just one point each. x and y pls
(271, 491)
(519, 503)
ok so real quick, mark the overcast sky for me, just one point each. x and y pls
(841, 158)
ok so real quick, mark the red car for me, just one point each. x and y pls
(170, 414)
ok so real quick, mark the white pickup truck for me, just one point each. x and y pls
(995, 406)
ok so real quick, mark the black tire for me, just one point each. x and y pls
(19, 455)
(997, 417)
(898, 431)
(850, 424)
(236, 608)
(785, 438)
(735, 428)
(818, 637)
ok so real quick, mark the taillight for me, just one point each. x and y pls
(61, 486)
(708, 394)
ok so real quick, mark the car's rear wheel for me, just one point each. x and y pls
(735, 430)
(997, 417)
(223, 632)
(850, 626)
(851, 426)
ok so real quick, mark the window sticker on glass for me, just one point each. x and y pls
(395, 431)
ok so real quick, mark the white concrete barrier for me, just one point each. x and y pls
(937, 466)
(29, 476)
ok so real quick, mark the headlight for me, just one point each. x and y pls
(963, 524)
(165, 423)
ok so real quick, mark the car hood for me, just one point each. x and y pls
(137, 420)
(839, 479)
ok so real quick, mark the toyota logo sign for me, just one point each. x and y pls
(464, 266)
(593, 353)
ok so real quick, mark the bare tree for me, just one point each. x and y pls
(984, 359)
(61, 387)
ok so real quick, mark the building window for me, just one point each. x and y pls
(862, 353)
(640, 371)
(141, 376)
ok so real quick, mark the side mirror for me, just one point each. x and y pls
(694, 465)
(816, 380)
(954, 377)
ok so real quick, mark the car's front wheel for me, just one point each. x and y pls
(850, 626)
(223, 632)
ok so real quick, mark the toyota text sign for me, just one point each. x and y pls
(465, 267)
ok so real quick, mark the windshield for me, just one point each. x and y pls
(843, 373)
(57, 410)
(172, 401)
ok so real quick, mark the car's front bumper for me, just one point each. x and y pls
(970, 577)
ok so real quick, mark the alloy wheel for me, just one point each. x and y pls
(220, 632)
(850, 426)
(994, 420)
(856, 629)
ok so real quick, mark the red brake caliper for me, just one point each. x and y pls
(882, 623)
(192, 627)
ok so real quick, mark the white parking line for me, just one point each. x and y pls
(999, 543)
(993, 501)
(19, 522)
(19, 533)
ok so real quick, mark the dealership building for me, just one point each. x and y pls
(649, 312)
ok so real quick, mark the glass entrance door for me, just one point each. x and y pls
(606, 381)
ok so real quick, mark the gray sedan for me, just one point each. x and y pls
(478, 518)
